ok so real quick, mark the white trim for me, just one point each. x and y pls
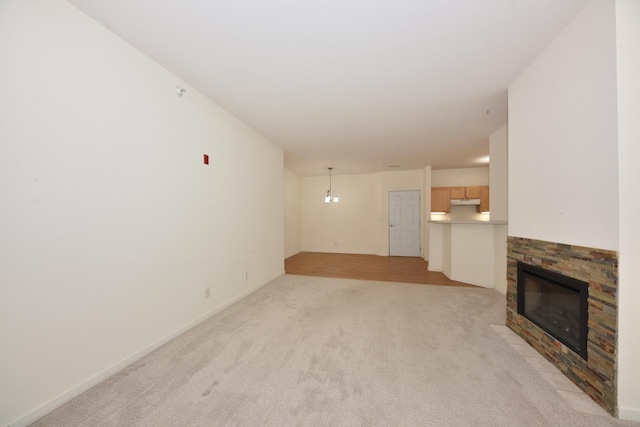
(629, 414)
(75, 391)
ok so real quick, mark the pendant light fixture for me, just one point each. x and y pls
(331, 197)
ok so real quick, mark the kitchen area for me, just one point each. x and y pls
(468, 220)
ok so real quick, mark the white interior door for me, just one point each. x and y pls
(404, 223)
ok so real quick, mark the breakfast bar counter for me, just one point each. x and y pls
(468, 251)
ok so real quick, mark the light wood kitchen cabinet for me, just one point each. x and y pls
(440, 199)
(484, 199)
(461, 193)
(473, 192)
(457, 193)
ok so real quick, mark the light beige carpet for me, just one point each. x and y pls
(310, 351)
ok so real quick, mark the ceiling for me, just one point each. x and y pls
(360, 85)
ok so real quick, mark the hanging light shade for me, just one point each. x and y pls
(331, 197)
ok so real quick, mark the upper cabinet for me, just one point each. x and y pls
(484, 199)
(461, 193)
(440, 199)
(457, 192)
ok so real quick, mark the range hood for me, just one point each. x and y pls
(464, 202)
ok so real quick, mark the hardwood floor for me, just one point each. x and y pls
(366, 267)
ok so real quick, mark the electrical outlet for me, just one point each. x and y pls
(207, 292)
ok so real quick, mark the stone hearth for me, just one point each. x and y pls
(596, 376)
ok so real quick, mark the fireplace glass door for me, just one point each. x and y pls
(556, 303)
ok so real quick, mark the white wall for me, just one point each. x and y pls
(498, 174)
(359, 222)
(350, 226)
(291, 213)
(500, 258)
(628, 69)
(471, 254)
(563, 158)
(111, 226)
(437, 249)
(498, 179)
(460, 177)
(426, 209)
(446, 250)
(466, 252)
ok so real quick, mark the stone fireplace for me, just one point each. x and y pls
(563, 280)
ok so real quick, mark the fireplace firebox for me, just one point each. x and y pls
(556, 303)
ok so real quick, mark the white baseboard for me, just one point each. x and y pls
(470, 281)
(629, 414)
(78, 389)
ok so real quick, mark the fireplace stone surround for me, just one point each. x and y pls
(596, 375)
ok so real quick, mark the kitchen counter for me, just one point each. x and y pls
(467, 221)
(469, 251)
